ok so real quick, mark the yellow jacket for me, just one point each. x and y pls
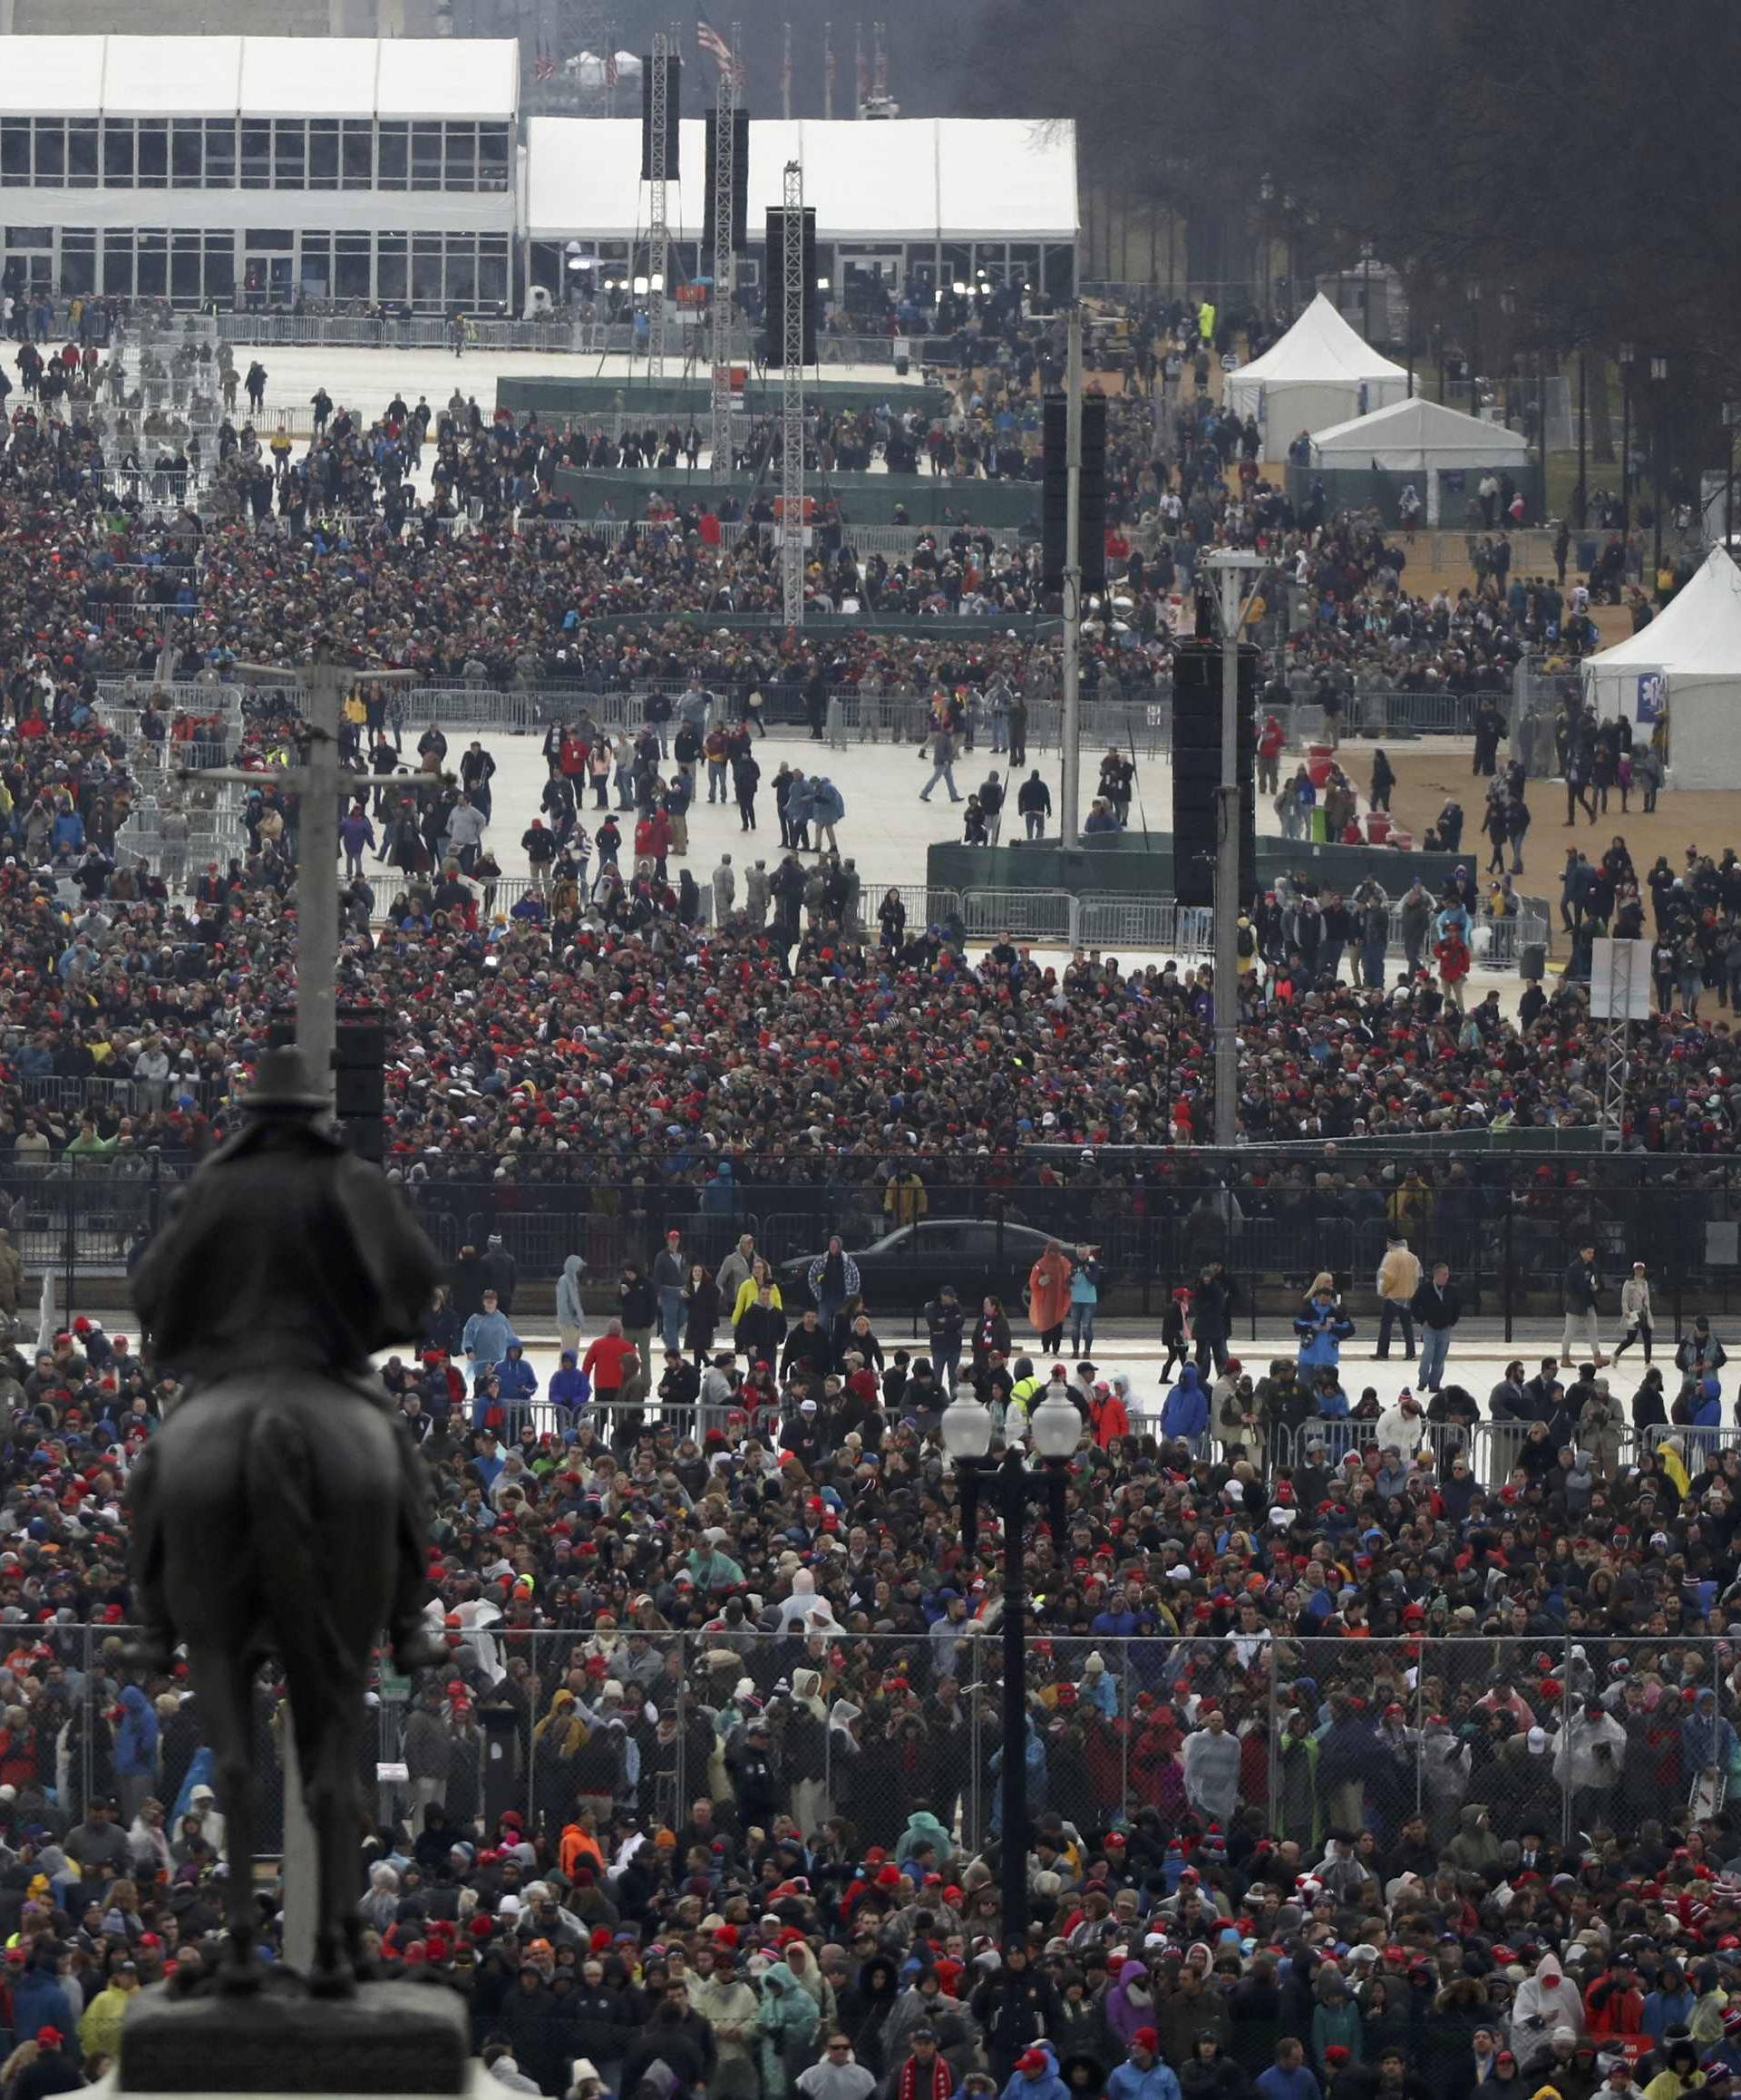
(746, 1296)
(1400, 1273)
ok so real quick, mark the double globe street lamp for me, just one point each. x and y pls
(1055, 1429)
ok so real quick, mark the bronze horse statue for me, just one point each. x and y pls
(280, 1515)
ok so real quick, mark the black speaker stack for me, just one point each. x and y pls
(740, 184)
(673, 113)
(1197, 771)
(776, 274)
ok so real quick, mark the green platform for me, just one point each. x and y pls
(564, 398)
(1127, 865)
(863, 498)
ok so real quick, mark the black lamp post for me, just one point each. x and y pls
(1624, 353)
(1056, 1429)
(1659, 374)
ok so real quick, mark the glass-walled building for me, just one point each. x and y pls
(903, 207)
(260, 170)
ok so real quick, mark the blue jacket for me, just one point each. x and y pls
(719, 1197)
(39, 2000)
(1157, 2083)
(1317, 1345)
(827, 804)
(1186, 1409)
(1047, 2085)
(570, 1388)
(136, 1738)
(1275, 2083)
(519, 1380)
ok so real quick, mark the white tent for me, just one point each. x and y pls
(1687, 662)
(1321, 372)
(1423, 438)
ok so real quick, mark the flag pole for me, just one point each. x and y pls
(828, 71)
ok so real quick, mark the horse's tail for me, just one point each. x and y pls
(278, 1472)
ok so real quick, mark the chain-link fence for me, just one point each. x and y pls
(1475, 1751)
(1506, 1217)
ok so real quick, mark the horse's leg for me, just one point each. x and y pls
(329, 1746)
(224, 1686)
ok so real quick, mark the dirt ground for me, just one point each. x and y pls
(1427, 776)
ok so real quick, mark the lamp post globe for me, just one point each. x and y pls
(967, 1428)
(1055, 1427)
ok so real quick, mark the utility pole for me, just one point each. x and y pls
(1070, 785)
(1230, 566)
(318, 783)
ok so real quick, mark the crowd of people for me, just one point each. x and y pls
(1369, 1775)
(434, 536)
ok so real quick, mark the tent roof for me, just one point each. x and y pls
(1319, 346)
(1397, 437)
(318, 76)
(911, 179)
(1697, 632)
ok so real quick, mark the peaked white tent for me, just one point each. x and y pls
(1687, 664)
(1422, 438)
(1320, 374)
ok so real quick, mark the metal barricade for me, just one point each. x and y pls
(1148, 922)
(925, 906)
(1032, 914)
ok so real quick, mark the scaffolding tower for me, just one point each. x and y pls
(724, 189)
(658, 237)
(792, 398)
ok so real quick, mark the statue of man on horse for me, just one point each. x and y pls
(280, 1513)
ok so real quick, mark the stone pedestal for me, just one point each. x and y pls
(391, 2038)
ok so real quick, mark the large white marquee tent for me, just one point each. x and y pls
(1423, 438)
(1687, 664)
(1320, 374)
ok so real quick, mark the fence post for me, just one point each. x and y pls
(1074, 926)
(539, 1705)
(1507, 1273)
(1275, 1742)
(1566, 1711)
(679, 1769)
(88, 1777)
(1125, 1702)
(976, 1748)
(1420, 1737)
(70, 1246)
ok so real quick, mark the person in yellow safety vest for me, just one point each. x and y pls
(1024, 1396)
(1206, 321)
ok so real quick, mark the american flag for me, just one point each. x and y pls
(610, 68)
(715, 45)
(543, 65)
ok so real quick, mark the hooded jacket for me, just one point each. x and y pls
(568, 1312)
(1186, 1409)
(1545, 2001)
